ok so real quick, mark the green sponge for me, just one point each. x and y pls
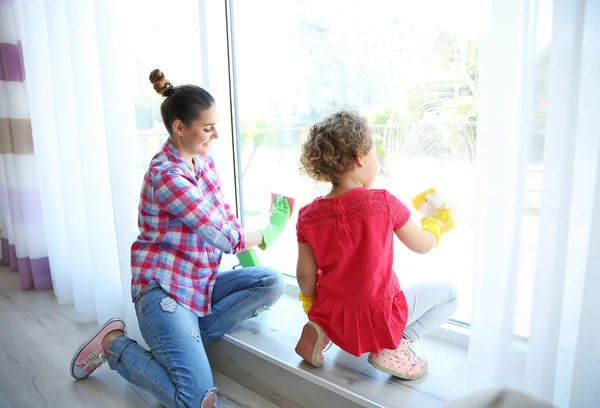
(248, 258)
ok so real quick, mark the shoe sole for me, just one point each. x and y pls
(397, 374)
(306, 348)
(84, 345)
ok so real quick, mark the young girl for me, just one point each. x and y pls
(182, 303)
(345, 257)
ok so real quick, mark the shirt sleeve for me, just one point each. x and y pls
(231, 217)
(180, 197)
(398, 211)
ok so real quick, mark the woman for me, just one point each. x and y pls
(182, 304)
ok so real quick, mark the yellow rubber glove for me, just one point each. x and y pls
(433, 226)
(446, 217)
(438, 217)
(307, 302)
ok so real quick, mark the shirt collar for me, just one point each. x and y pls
(173, 153)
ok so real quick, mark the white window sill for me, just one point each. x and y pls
(273, 336)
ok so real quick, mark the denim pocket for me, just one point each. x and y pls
(139, 299)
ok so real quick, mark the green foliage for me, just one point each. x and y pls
(472, 62)
(443, 102)
(444, 49)
(460, 109)
(380, 149)
(379, 121)
(381, 118)
(260, 132)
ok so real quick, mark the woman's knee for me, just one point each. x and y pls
(275, 283)
(196, 395)
(210, 399)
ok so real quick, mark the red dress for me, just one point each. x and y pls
(359, 303)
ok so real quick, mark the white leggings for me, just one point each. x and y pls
(430, 304)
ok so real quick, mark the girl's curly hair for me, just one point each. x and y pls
(333, 146)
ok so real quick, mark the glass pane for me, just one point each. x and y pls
(157, 44)
(410, 67)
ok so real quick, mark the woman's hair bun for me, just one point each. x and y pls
(161, 85)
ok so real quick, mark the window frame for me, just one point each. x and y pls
(218, 51)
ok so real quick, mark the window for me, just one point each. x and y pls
(412, 69)
(156, 45)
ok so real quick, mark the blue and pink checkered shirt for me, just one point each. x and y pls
(185, 227)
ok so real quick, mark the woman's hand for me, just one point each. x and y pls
(253, 238)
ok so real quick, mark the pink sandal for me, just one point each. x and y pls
(312, 344)
(402, 362)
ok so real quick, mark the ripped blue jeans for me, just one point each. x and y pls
(176, 370)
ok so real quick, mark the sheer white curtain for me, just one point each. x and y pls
(539, 65)
(79, 73)
(96, 124)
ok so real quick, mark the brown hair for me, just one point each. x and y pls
(183, 102)
(161, 85)
(334, 144)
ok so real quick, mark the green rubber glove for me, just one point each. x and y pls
(280, 215)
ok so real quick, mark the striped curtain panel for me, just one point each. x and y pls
(79, 69)
(21, 222)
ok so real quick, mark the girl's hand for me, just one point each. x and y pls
(279, 218)
(436, 218)
(437, 215)
(307, 302)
